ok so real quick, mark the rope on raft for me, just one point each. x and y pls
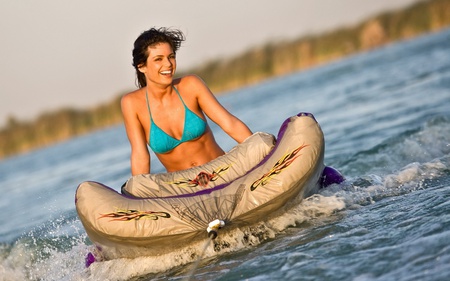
(213, 228)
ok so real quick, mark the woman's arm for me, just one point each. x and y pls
(140, 157)
(229, 123)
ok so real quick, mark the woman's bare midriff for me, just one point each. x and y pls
(191, 154)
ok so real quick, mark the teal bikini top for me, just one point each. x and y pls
(161, 142)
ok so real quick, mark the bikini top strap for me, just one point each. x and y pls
(179, 96)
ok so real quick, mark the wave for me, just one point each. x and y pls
(421, 144)
(52, 251)
(414, 159)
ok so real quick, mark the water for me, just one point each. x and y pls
(386, 119)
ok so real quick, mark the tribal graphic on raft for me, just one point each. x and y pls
(129, 215)
(281, 164)
(202, 179)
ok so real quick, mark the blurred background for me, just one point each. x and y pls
(65, 64)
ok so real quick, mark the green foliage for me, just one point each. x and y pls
(56, 126)
(250, 67)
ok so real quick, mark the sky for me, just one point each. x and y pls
(77, 54)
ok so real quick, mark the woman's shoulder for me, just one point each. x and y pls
(191, 83)
(136, 94)
(131, 98)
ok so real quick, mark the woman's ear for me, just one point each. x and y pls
(142, 68)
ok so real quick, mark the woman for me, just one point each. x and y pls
(169, 114)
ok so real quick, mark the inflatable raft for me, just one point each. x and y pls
(252, 182)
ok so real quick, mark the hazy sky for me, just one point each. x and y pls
(77, 53)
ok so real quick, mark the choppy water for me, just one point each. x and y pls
(386, 119)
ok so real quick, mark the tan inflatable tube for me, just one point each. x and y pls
(248, 184)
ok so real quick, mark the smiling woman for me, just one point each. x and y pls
(153, 113)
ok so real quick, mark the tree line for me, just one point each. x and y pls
(253, 66)
(280, 58)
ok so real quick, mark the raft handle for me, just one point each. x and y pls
(213, 228)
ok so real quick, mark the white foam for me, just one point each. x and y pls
(370, 188)
(13, 261)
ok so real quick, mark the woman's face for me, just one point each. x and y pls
(161, 64)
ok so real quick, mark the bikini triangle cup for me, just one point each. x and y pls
(161, 142)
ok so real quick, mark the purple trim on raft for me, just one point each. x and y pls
(281, 133)
(90, 259)
(331, 176)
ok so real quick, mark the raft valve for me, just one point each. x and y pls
(213, 227)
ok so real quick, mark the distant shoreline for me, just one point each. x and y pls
(248, 68)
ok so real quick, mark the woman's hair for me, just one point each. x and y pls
(149, 38)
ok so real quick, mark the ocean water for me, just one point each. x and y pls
(386, 119)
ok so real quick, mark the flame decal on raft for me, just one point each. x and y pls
(128, 215)
(281, 164)
(202, 179)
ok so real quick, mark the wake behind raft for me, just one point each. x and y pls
(250, 183)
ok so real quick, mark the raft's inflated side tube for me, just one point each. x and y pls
(124, 226)
(238, 161)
